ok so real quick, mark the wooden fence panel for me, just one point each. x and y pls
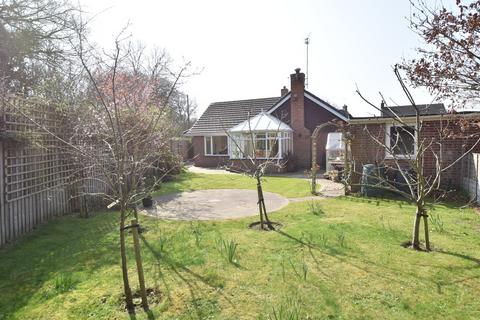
(35, 171)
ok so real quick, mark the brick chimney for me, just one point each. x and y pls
(297, 83)
(283, 91)
(301, 135)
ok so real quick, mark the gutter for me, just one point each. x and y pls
(205, 133)
(448, 116)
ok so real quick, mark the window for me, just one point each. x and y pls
(216, 145)
(260, 145)
(401, 140)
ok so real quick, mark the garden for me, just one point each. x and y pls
(339, 258)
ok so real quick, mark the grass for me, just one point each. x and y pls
(189, 181)
(346, 263)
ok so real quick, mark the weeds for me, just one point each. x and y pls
(162, 241)
(63, 283)
(300, 273)
(284, 314)
(341, 240)
(437, 222)
(386, 223)
(228, 249)
(315, 208)
(323, 240)
(197, 233)
(307, 239)
(288, 310)
(282, 264)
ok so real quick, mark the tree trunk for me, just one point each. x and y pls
(123, 255)
(260, 199)
(265, 210)
(416, 230)
(138, 258)
(427, 237)
(260, 208)
(135, 212)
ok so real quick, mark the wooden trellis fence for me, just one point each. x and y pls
(35, 171)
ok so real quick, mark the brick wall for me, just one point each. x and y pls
(366, 151)
(201, 160)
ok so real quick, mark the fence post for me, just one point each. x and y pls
(3, 198)
(138, 258)
(476, 178)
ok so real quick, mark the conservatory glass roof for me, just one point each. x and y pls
(261, 122)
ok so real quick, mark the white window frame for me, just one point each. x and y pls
(211, 146)
(284, 140)
(388, 155)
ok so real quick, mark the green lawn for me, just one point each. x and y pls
(338, 259)
(188, 181)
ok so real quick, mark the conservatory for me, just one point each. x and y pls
(261, 137)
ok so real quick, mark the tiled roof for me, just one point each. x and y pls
(409, 110)
(221, 116)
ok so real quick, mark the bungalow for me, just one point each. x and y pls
(282, 128)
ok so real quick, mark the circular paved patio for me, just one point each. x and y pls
(214, 204)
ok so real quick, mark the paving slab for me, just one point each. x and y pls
(213, 204)
(194, 169)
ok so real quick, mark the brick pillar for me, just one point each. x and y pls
(301, 135)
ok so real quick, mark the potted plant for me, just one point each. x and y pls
(147, 201)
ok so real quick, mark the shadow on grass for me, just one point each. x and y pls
(441, 284)
(360, 261)
(150, 315)
(53, 254)
(327, 249)
(460, 255)
(179, 270)
(301, 242)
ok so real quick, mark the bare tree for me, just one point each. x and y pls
(120, 115)
(119, 134)
(184, 109)
(406, 150)
(130, 121)
(34, 43)
(258, 152)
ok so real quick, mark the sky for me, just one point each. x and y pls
(247, 49)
